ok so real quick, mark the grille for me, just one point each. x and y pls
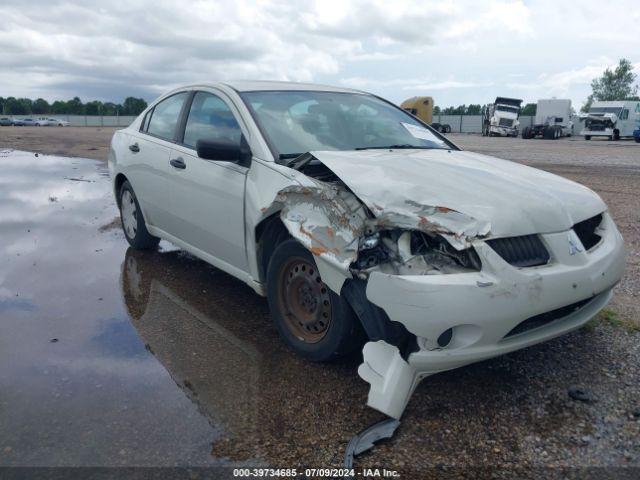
(586, 231)
(546, 318)
(506, 122)
(524, 251)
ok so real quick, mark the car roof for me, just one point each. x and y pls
(270, 85)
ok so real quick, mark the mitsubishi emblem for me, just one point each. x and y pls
(574, 247)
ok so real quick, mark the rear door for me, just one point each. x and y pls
(149, 155)
(207, 197)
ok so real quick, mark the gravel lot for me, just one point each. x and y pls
(204, 336)
(86, 142)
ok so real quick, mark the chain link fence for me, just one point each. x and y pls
(85, 120)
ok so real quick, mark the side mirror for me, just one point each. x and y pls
(222, 151)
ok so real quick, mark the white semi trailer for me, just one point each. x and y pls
(613, 119)
(501, 117)
(553, 120)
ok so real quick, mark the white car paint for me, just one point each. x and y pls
(214, 209)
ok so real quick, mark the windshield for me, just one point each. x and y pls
(615, 110)
(295, 122)
(503, 108)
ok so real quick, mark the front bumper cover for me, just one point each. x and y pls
(482, 308)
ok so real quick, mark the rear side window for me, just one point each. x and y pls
(624, 115)
(210, 119)
(165, 116)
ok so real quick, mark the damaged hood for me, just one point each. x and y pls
(494, 197)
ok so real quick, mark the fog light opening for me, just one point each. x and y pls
(445, 338)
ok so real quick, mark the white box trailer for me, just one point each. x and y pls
(553, 120)
(612, 119)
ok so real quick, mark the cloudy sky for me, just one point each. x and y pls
(457, 51)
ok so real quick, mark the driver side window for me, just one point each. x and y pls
(211, 119)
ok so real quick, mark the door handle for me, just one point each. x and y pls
(178, 163)
(134, 148)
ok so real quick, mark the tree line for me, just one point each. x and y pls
(75, 106)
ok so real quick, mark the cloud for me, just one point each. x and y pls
(465, 50)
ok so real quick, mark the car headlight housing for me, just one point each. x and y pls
(413, 252)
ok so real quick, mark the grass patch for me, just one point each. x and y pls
(609, 317)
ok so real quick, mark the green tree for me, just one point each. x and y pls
(436, 110)
(133, 106)
(617, 84)
(40, 106)
(109, 108)
(75, 107)
(16, 106)
(474, 109)
(529, 109)
(95, 107)
(59, 107)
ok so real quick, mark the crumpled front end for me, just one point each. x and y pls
(434, 290)
(598, 124)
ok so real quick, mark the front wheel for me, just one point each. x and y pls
(133, 226)
(587, 137)
(315, 322)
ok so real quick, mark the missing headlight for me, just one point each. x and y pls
(435, 246)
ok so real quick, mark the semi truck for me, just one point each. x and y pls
(552, 121)
(501, 117)
(422, 107)
(612, 119)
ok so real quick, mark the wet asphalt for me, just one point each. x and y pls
(111, 357)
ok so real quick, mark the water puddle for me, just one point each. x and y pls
(110, 356)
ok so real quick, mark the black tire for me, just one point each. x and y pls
(587, 137)
(616, 135)
(637, 139)
(526, 132)
(447, 128)
(135, 231)
(340, 336)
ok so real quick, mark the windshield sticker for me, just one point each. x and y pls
(420, 132)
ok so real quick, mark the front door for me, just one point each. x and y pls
(206, 196)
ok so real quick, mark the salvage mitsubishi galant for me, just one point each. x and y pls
(362, 224)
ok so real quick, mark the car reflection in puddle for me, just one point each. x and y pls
(214, 337)
(89, 379)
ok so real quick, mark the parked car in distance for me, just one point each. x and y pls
(42, 122)
(359, 222)
(18, 122)
(58, 122)
(26, 122)
(6, 122)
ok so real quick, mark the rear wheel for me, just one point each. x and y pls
(133, 226)
(314, 321)
(587, 137)
(616, 134)
(526, 132)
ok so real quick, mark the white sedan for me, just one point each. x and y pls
(364, 226)
(57, 122)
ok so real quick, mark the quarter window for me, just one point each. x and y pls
(624, 115)
(164, 118)
(210, 118)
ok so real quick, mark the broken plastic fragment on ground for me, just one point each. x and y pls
(366, 439)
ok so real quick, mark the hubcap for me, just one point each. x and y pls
(304, 300)
(129, 214)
